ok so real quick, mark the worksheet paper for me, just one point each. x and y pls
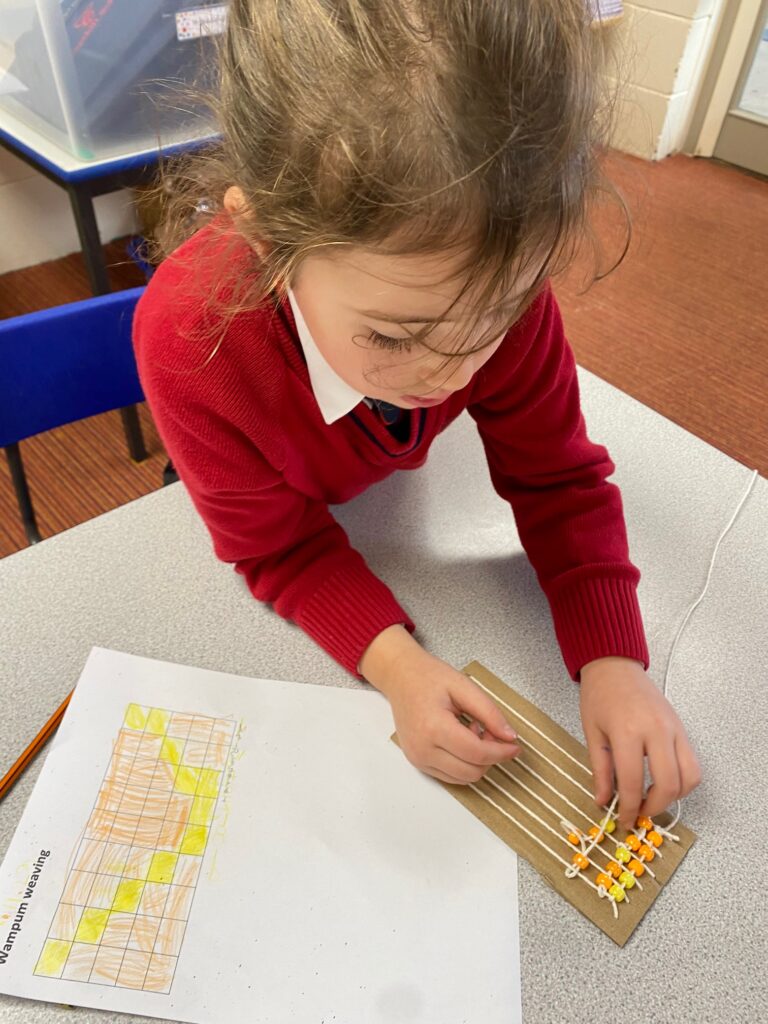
(207, 847)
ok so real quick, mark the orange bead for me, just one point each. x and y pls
(632, 842)
(574, 837)
(636, 867)
(646, 852)
(654, 837)
(605, 880)
(580, 861)
(644, 822)
(597, 834)
(615, 869)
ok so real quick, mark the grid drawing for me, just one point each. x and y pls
(122, 914)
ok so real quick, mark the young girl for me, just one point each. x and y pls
(397, 181)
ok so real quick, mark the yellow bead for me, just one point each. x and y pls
(617, 892)
(623, 855)
(608, 825)
(627, 879)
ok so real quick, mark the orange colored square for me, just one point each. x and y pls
(133, 969)
(179, 902)
(160, 973)
(144, 933)
(170, 935)
(148, 832)
(106, 966)
(78, 887)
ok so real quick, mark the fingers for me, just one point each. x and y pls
(465, 744)
(468, 697)
(662, 762)
(628, 758)
(601, 759)
(437, 774)
(675, 772)
(690, 770)
(454, 769)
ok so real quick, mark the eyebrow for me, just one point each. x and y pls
(390, 318)
(500, 309)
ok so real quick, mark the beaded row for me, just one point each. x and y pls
(623, 872)
(631, 857)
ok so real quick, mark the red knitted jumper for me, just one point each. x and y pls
(232, 400)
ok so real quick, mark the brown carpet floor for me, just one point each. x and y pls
(682, 326)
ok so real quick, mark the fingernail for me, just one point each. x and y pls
(509, 731)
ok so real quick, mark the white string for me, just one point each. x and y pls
(601, 891)
(536, 750)
(520, 763)
(530, 725)
(689, 613)
(700, 598)
(585, 848)
(572, 870)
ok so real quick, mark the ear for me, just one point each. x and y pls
(237, 208)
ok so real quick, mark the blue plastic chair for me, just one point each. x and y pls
(60, 365)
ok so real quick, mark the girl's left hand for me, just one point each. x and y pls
(626, 718)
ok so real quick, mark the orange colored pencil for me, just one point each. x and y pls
(50, 727)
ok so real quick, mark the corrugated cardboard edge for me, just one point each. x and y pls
(579, 895)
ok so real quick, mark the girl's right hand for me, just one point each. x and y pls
(427, 698)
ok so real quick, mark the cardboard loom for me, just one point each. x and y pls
(583, 897)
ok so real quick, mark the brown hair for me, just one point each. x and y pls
(404, 125)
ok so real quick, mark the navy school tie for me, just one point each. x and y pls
(396, 420)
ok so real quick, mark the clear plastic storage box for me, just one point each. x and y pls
(107, 78)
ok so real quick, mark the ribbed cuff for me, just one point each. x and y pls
(348, 611)
(598, 617)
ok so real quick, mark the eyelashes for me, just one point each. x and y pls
(390, 344)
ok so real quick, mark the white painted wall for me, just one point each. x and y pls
(36, 222)
(664, 46)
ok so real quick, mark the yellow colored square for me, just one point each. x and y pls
(209, 782)
(53, 957)
(128, 895)
(202, 810)
(135, 717)
(157, 721)
(91, 926)
(162, 867)
(195, 838)
(187, 779)
(170, 751)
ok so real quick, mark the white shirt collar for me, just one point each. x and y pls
(333, 395)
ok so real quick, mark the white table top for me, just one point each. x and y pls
(143, 579)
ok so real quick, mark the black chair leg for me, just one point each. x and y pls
(24, 498)
(133, 435)
(170, 476)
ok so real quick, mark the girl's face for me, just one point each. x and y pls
(363, 308)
